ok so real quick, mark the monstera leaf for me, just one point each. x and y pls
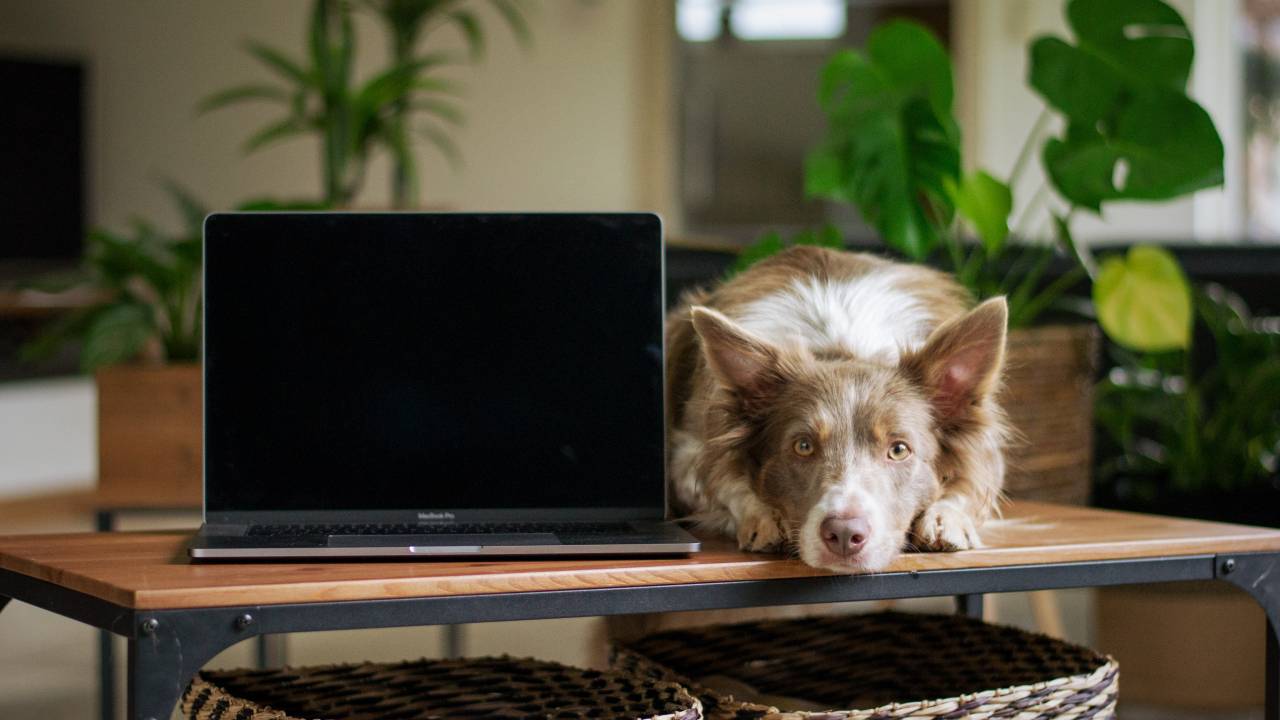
(892, 148)
(1132, 132)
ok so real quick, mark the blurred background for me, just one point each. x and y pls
(125, 121)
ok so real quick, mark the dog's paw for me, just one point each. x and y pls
(945, 527)
(759, 533)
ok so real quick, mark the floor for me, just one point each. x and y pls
(48, 664)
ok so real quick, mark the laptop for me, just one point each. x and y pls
(433, 385)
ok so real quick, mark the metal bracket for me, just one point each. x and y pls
(1259, 575)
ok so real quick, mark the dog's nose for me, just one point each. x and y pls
(845, 536)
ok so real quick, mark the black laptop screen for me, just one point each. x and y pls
(405, 361)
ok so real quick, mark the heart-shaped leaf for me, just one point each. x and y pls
(1143, 300)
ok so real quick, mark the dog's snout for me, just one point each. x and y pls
(845, 536)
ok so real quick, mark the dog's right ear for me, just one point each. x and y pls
(740, 361)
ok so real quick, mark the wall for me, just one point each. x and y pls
(575, 123)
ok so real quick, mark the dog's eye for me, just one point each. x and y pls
(899, 451)
(803, 447)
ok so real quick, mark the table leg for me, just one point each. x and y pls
(1259, 575)
(1273, 671)
(166, 650)
(271, 651)
(105, 522)
(969, 605)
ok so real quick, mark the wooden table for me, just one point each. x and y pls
(176, 616)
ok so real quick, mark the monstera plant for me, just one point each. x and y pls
(1129, 132)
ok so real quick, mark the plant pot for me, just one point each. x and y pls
(150, 435)
(1048, 394)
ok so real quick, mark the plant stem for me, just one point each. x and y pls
(1024, 154)
(1028, 211)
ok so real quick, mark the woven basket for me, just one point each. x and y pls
(893, 665)
(500, 687)
(1048, 393)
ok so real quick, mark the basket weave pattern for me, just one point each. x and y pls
(479, 687)
(893, 666)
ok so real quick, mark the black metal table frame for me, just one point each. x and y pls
(167, 647)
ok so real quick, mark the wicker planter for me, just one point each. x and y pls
(1049, 377)
(482, 687)
(884, 666)
(149, 435)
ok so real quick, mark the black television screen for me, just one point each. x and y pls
(41, 161)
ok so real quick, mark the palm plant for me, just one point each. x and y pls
(320, 95)
(408, 24)
(149, 282)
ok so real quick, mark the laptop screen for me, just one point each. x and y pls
(432, 362)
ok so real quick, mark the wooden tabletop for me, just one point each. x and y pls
(149, 570)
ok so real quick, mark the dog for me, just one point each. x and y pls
(838, 405)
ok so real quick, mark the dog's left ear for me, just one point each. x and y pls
(960, 362)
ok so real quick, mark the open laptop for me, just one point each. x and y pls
(433, 385)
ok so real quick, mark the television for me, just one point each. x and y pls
(42, 179)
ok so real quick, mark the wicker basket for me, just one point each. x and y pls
(1048, 394)
(893, 665)
(500, 687)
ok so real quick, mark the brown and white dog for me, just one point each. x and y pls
(838, 405)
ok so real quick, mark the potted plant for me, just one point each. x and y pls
(384, 112)
(893, 151)
(142, 342)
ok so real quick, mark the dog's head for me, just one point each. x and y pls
(849, 452)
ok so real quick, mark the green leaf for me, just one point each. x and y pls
(274, 132)
(769, 244)
(116, 335)
(1055, 72)
(193, 211)
(1147, 40)
(241, 93)
(892, 147)
(514, 14)
(279, 62)
(1164, 145)
(1132, 132)
(443, 143)
(914, 62)
(1143, 300)
(471, 30)
(985, 202)
(444, 110)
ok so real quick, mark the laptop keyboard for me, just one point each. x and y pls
(438, 529)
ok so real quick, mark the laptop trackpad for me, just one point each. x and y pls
(441, 540)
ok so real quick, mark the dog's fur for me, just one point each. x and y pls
(788, 385)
